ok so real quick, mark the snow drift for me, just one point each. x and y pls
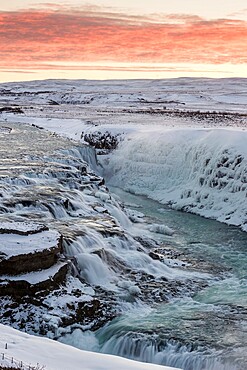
(29, 350)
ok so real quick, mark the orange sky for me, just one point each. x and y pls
(62, 38)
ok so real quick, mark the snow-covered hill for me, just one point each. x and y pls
(28, 350)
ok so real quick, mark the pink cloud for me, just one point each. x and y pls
(30, 37)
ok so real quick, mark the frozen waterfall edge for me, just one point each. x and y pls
(201, 171)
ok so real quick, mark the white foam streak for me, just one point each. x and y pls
(120, 216)
(93, 269)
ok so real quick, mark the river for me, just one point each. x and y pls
(205, 331)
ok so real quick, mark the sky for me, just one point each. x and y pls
(105, 39)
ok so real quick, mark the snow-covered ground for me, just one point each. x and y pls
(47, 354)
(200, 169)
(205, 94)
(15, 244)
(180, 142)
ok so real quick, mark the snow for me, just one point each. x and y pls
(36, 277)
(57, 356)
(193, 93)
(20, 227)
(188, 162)
(14, 244)
(203, 171)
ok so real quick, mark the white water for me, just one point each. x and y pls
(101, 260)
(202, 339)
(203, 172)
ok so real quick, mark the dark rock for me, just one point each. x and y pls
(53, 102)
(11, 110)
(14, 230)
(101, 140)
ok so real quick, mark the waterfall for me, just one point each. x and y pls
(141, 347)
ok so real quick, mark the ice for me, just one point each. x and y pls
(14, 244)
(203, 171)
(161, 229)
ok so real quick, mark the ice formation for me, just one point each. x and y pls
(203, 171)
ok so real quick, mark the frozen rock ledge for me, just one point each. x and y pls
(29, 256)
(19, 246)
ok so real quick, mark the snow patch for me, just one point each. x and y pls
(14, 245)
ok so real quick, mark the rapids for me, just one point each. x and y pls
(186, 308)
(204, 332)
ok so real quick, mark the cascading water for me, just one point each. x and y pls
(140, 348)
(202, 172)
(191, 302)
(205, 332)
(200, 338)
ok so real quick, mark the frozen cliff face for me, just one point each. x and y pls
(200, 171)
